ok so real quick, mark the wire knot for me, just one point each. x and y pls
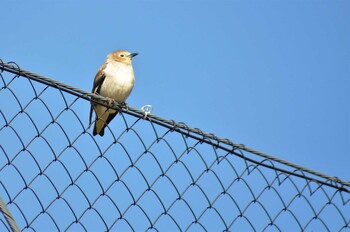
(147, 109)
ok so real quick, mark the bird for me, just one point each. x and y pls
(115, 81)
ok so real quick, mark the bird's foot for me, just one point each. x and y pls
(125, 105)
(110, 101)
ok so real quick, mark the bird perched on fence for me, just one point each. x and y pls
(114, 80)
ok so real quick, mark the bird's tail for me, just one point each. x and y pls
(99, 127)
(102, 120)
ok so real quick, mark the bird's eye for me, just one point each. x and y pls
(121, 55)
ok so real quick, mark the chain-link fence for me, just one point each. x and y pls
(146, 173)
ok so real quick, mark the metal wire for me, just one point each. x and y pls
(148, 173)
(9, 218)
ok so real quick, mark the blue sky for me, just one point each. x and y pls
(273, 75)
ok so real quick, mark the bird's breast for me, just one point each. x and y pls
(119, 81)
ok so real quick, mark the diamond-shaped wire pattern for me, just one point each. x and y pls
(142, 175)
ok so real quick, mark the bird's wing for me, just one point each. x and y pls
(99, 78)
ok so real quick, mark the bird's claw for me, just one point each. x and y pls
(126, 106)
(110, 101)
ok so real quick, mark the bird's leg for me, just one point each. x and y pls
(125, 105)
(110, 101)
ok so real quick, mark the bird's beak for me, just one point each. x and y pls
(133, 54)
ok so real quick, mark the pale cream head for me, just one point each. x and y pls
(121, 56)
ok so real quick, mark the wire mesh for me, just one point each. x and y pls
(145, 174)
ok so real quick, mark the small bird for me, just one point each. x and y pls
(114, 80)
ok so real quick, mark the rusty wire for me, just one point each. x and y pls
(147, 173)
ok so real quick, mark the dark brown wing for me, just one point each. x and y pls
(99, 78)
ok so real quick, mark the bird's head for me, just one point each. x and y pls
(121, 56)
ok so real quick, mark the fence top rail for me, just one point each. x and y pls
(182, 128)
